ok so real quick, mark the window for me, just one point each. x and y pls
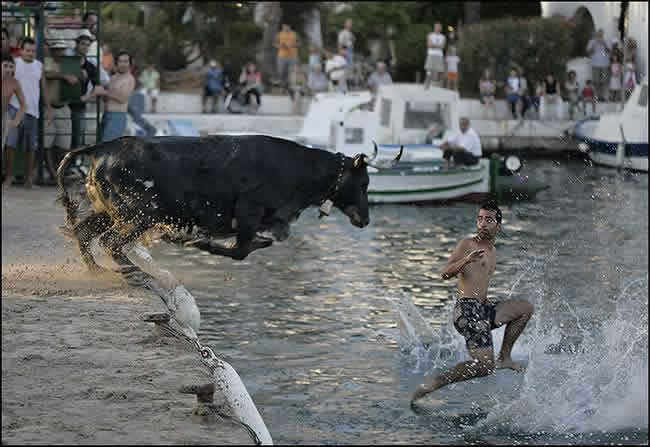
(354, 136)
(385, 112)
(420, 115)
(643, 97)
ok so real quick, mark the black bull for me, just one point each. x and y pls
(221, 185)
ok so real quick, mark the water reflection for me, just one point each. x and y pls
(310, 323)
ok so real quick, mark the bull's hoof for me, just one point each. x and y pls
(204, 393)
(160, 317)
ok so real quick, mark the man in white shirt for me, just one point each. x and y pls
(335, 70)
(599, 50)
(465, 147)
(346, 40)
(29, 74)
(379, 77)
(435, 64)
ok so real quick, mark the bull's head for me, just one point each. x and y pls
(352, 197)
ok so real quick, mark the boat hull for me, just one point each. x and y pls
(426, 183)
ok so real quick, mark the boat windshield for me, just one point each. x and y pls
(424, 115)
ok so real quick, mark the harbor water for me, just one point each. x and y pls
(332, 329)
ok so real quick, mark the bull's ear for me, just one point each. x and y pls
(358, 161)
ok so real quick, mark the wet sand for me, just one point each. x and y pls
(78, 363)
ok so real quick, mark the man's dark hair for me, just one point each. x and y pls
(121, 53)
(84, 37)
(6, 57)
(491, 205)
(27, 40)
(88, 14)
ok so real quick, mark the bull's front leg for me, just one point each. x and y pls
(248, 219)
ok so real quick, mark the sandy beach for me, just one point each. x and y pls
(79, 366)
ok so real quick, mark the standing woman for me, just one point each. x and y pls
(487, 87)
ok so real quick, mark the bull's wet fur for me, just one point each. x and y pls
(224, 185)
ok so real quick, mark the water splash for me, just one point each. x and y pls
(601, 387)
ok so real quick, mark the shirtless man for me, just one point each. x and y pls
(116, 98)
(10, 87)
(474, 316)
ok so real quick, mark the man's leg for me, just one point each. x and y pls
(515, 314)
(482, 364)
(9, 178)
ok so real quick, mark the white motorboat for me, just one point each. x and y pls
(418, 119)
(618, 139)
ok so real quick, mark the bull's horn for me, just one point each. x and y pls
(384, 164)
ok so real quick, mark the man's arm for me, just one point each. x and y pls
(120, 95)
(429, 43)
(46, 100)
(18, 91)
(460, 259)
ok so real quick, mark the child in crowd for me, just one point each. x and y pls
(572, 89)
(452, 68)
(629, 77)
(487, 87)
(616, 71)
(588, 96)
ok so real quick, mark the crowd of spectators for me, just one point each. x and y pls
(69, 77)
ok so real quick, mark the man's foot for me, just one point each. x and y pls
(510, 364)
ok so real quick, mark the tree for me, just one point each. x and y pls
(472, 12)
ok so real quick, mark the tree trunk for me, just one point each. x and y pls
(272, 13)
(472, 12)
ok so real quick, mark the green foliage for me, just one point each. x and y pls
(411, 48)
(538, 45)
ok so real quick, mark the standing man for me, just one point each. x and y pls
(286, 42)
(90, 79)
(57, 133)
(116, 98)
(465, 147)
(474, 259)
(150, 81)
(10, 87)
(29, 74)
(435, 64)
(346, 40)
(335, 70)
(379, 77)
(599, 50)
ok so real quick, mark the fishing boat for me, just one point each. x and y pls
(618, 140)
(419, 120)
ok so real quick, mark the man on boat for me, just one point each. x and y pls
(465, 147)
(474, 259)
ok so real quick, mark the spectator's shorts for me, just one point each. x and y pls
(452, 75)
(152, 92)
(209, 92)
(474, 321)
(599, 75)
(434, 63)
(26, 132)
(59, 132)
(113, 125)
(512, 97)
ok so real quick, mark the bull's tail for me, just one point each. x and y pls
(71, 206)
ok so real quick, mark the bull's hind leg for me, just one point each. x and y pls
(114, 241)
(87, 230)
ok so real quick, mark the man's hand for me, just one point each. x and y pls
(70, 79)
(49, 115)
(475, 255)
(13, 123)
(99, 91)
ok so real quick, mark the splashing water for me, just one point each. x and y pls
(602, 387)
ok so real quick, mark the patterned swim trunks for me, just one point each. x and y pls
(474, 321)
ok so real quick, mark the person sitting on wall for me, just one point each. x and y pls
(464, 147)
